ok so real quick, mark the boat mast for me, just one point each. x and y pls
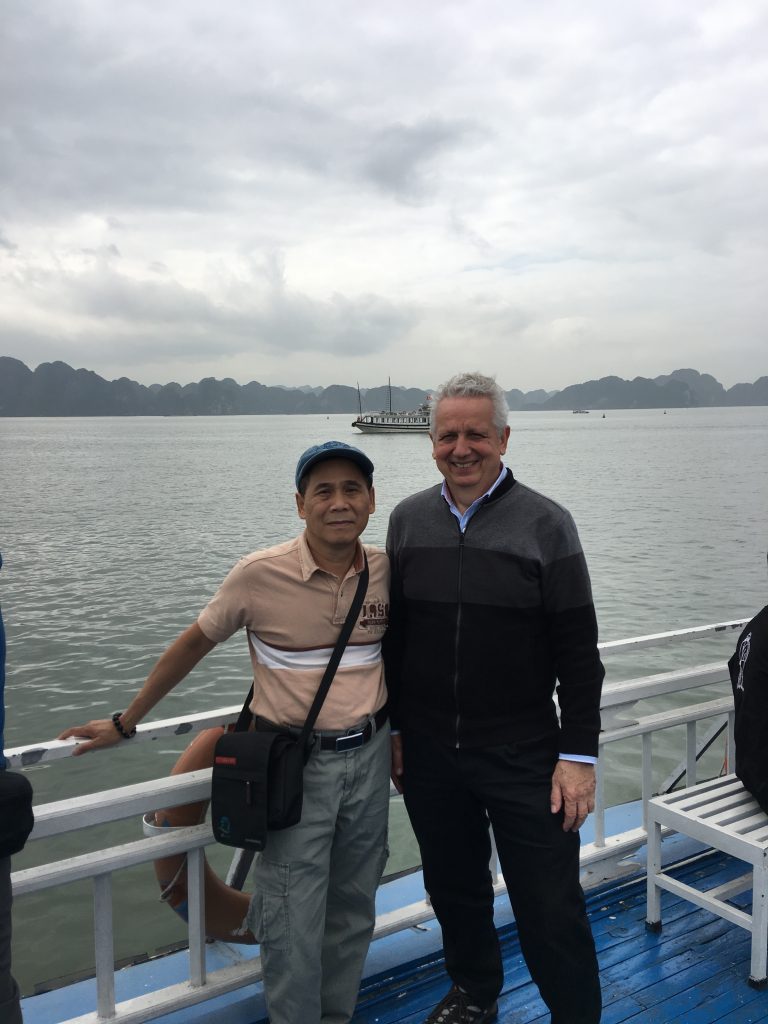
(389, 386)
(359, 403)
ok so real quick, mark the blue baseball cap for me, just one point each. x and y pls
(331, 450)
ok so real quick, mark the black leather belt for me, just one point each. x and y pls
(354, 738)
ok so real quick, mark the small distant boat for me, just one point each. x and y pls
(416, 422)
(389, 422)
(581, 411)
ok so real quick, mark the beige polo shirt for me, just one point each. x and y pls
(292, 612)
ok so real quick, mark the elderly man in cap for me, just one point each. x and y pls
(313, 905)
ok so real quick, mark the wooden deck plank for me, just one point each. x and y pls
(740, 1007)
(680, 993)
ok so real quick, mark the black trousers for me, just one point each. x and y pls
(452, 796)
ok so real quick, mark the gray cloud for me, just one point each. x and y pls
(401, 155)
(164, 317)
(392, 185)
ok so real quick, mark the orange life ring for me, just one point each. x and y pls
(225, 907)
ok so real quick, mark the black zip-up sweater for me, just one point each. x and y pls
(484, 625)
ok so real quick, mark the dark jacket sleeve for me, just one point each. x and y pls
(572, 627)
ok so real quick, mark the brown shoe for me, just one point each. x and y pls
(457, 1008)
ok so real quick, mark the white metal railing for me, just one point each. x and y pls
(671, 636)
(54, 750)
(132, 801)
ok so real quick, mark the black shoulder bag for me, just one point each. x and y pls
(257, 783)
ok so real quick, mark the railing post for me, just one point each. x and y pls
(196, 904)
(647, 774)
(690, 754)
(105, 946)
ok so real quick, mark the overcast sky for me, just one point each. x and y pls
(330, 192)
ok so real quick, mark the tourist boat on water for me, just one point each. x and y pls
(389, 422)
(416, 422)
(695, 970)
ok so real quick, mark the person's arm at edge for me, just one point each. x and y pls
(173, 665)
(580, 674)
(392, 649)
(574, 781)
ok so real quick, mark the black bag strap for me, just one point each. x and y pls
(244, 718)
(338, 650)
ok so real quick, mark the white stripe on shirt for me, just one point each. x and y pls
(317, 658)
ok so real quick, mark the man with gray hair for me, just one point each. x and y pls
(491, 609)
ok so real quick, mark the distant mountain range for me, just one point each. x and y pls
(56, 389)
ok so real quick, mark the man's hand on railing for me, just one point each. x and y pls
(100, 732)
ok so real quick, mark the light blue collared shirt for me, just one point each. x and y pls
(463, 518)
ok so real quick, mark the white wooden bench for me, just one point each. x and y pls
(723, 815)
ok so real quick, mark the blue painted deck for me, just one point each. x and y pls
(694, 972)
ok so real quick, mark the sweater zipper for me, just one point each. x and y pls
(458, 621)
(456, 640)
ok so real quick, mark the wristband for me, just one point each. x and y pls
(119, 726)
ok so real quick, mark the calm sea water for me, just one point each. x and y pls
(115, 532)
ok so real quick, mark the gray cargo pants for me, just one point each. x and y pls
(313, 906)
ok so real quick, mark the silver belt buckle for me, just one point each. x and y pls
(350, 742)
